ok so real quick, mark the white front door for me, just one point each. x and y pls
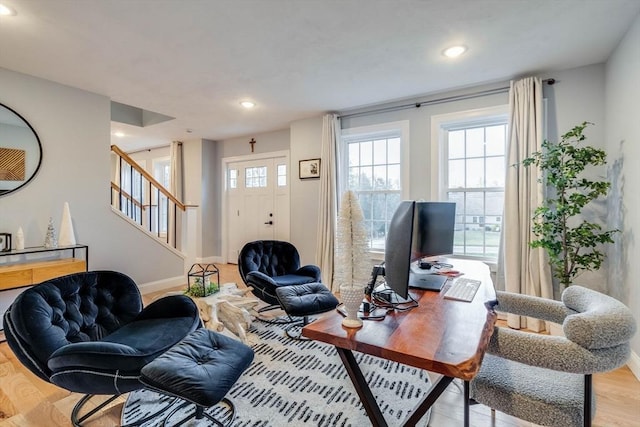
(257, 202)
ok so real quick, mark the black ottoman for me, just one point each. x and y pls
(201, 369)
(304, 301)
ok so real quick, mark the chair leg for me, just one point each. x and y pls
(467, 397)
(276, 320)
(298, 336)
(200, 413)
(77, 422)
(588, 390)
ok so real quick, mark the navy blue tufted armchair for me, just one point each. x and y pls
(266, 265)
(88, 332)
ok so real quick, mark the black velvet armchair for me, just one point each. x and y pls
(266, 265)
(88, 333)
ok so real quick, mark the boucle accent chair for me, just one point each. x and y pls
(88, 333)
(546, 379)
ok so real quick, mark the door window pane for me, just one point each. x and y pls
(255, 177)
(282, 175)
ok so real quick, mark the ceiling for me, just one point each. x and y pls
(195, 60)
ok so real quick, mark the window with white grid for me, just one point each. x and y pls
(374, 171)
(473, 176)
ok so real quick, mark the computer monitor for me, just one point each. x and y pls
(433, 232)
(434, 227)
(397, 254)
(417, 230)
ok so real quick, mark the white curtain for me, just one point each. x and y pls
(526, 270)
(176, 189)
(116, 179)
(328, 206)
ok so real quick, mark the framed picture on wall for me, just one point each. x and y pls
(310, 169)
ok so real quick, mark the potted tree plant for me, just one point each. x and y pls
(574, 244)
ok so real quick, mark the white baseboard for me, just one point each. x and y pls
(210, 260)
(634, 365)
(160, 285)
(172, 282)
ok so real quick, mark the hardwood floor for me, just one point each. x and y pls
(27, 401)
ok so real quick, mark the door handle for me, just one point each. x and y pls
(269, 222)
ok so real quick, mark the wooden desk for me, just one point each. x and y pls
(442, 336)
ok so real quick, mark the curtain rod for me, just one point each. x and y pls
(419, 104)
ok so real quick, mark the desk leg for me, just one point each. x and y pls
(427, 402)
(466, 403)
(360, 383)
(369, 401)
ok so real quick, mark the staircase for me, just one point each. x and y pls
(144, 201)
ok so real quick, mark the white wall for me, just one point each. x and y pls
(623, 146)
(265, 143)
(211, 239)
(306, 143)
(147, 156)
(74, 129)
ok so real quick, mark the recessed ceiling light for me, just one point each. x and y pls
(7, 11)
(454, 51)
(118, 134)
(248, 104)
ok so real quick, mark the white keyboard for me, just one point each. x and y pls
(462, 289)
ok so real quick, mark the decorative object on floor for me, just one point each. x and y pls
(20, 239)
(66, 236)
(545, 379)
(5, 242)
(231, 308)
(88, 333)
(309, 169)
(199, 370)
(199, 282)
(265, 265)
(50, 241)
(304, 301)
(351, 272)
(296, 383)
(574, 245)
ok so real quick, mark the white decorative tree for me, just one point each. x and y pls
(50, 240)
(352, 244)
(351, 268)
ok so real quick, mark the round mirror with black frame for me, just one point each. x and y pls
(20, 151)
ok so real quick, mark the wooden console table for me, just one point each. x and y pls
(27, 272)
(442, 336)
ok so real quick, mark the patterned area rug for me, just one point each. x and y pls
(296, 383)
